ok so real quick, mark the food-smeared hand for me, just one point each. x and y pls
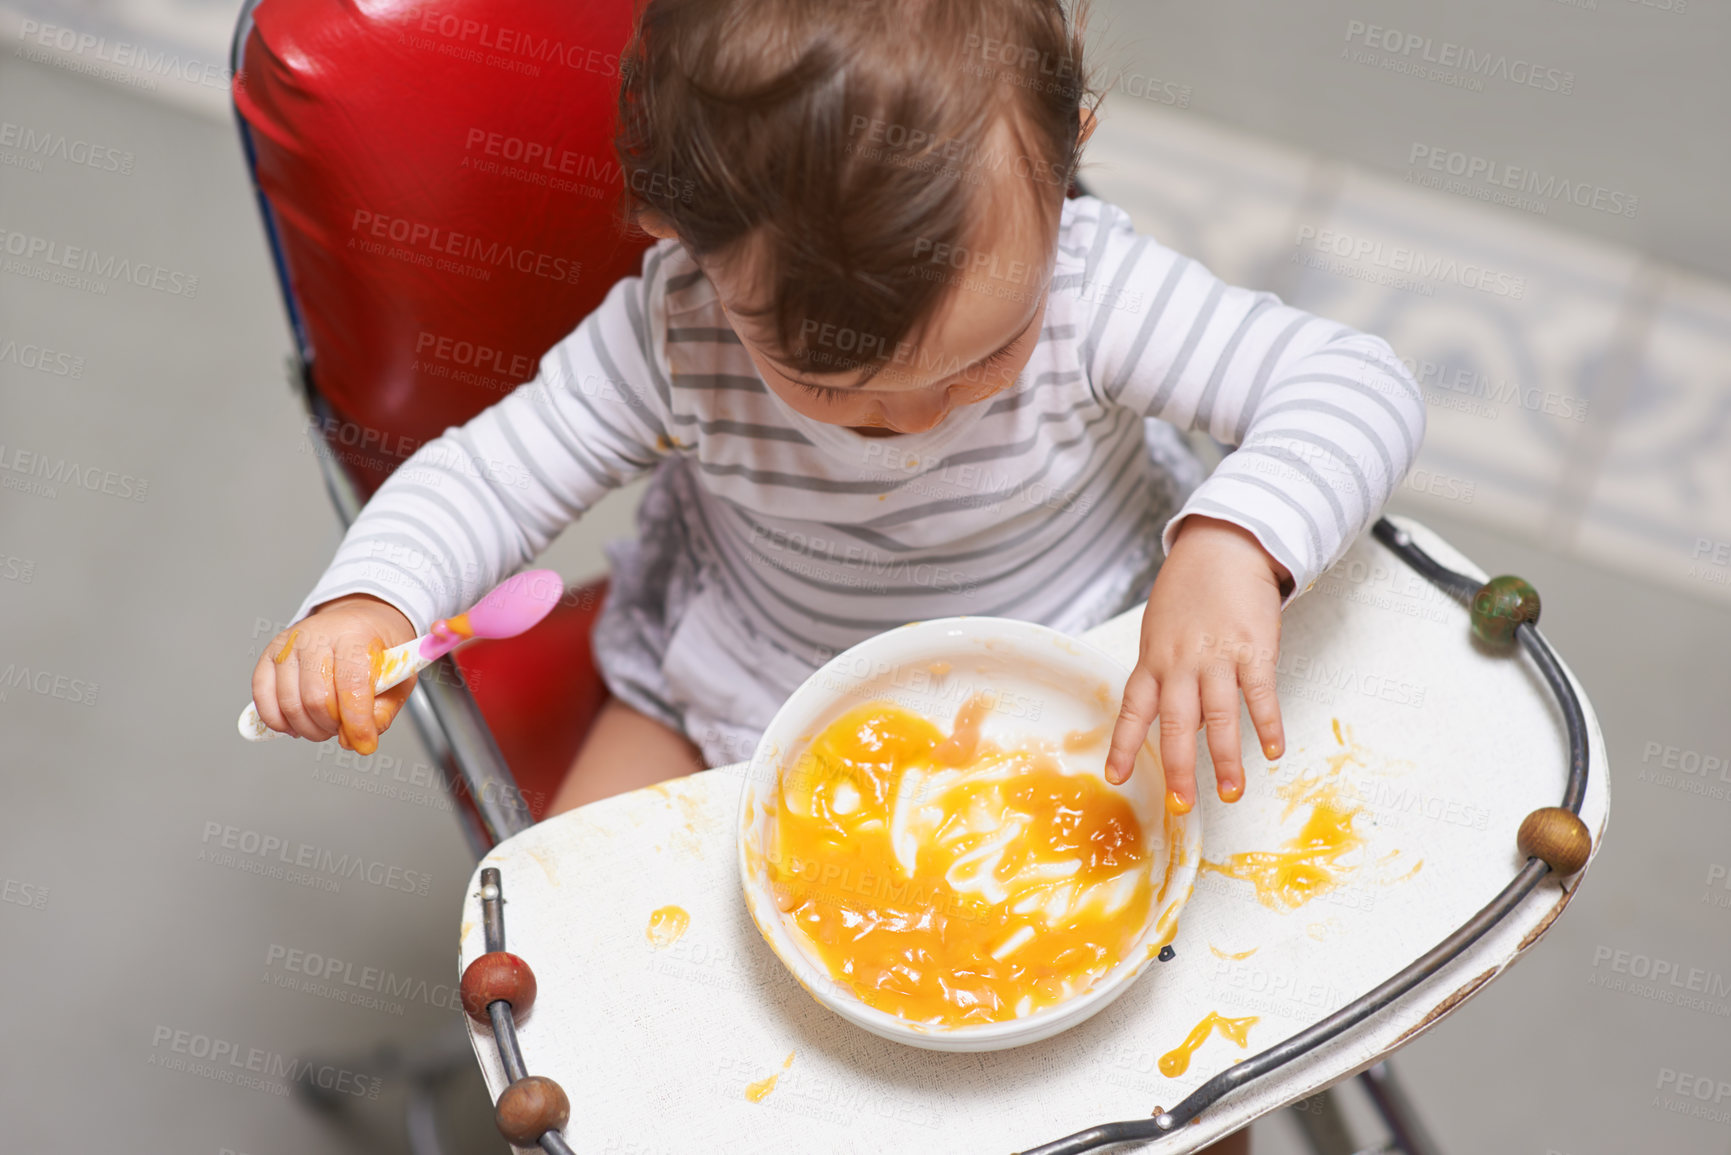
(1211, 632)
(315, 679)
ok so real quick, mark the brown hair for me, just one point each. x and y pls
(851, 135)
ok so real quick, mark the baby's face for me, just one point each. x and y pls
(975, 345)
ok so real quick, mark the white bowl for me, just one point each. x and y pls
(1046, 685)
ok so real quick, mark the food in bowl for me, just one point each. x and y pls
(953, 880)
(1047, 691)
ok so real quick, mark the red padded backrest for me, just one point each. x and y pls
(442, 180)
(445, 190)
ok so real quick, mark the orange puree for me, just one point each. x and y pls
(666, 925)
(948, 880)
(759, 1091)
(288, 647)
(1307, 866)
(1176, 1061)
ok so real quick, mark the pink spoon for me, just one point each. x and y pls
(508, 609)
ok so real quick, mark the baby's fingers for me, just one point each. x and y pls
(264, 679)
(314, 709)
(1257, 680)
(387, 704)
(1220, 714)
(1179, 714)
(1135, 719)
(353, 680)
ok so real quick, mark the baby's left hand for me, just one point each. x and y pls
(1212, 628)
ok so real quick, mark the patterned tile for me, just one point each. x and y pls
(1226, 199)
(1661, 502)
(1505, 324)
(1579, 395)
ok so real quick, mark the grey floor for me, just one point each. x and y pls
(139, 955)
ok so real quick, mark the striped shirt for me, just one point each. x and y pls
(1037, 503)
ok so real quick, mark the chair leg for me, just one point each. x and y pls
(1324, 1124)
(1391, 1102)
(421, 1118)
(422, 1069)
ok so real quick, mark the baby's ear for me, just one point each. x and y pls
(653, 223)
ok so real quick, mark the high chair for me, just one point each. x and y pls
(409, 164)
(408, 168)
(438, 191)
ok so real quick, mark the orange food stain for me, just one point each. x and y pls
(1416, 867)
(1243, 954)
(760, 1090)
(460, 626)
(666, 924)
(1175, 804)
(288, 647)
(1337, 738)
(363, 747)
(1308, 865)
(1176, 1061)
(938, 669)
(950, 881)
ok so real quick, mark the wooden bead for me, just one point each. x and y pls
(1500, 605)
(494, 976)
(1556, 837)
(531, 1107)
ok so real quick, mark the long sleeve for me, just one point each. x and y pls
(474, 505)
(1325, 419)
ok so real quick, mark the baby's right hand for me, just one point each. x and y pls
(315, 678)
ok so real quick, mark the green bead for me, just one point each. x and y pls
(1500, 605)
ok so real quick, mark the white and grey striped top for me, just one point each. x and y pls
(1036, 503)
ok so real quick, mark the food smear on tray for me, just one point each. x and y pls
(759, 1091)
(666, 925)
(1176, 1061)
(950, 880)
(1332, 847)
(1315, 862)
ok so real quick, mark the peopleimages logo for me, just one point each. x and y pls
(1544, 186)
(78, 259)
(1460, 58)
(256, 1068)
(46, 472)
(34, 33)
(38, 145)
(488, 38)
(441, 242)
(40, 358)
(1399, 259)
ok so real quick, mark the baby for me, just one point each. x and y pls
(882, 369)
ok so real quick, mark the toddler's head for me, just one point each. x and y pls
(873, 186)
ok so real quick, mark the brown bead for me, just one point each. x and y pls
(497, 975)
(1556, 837)
(531, 1107)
